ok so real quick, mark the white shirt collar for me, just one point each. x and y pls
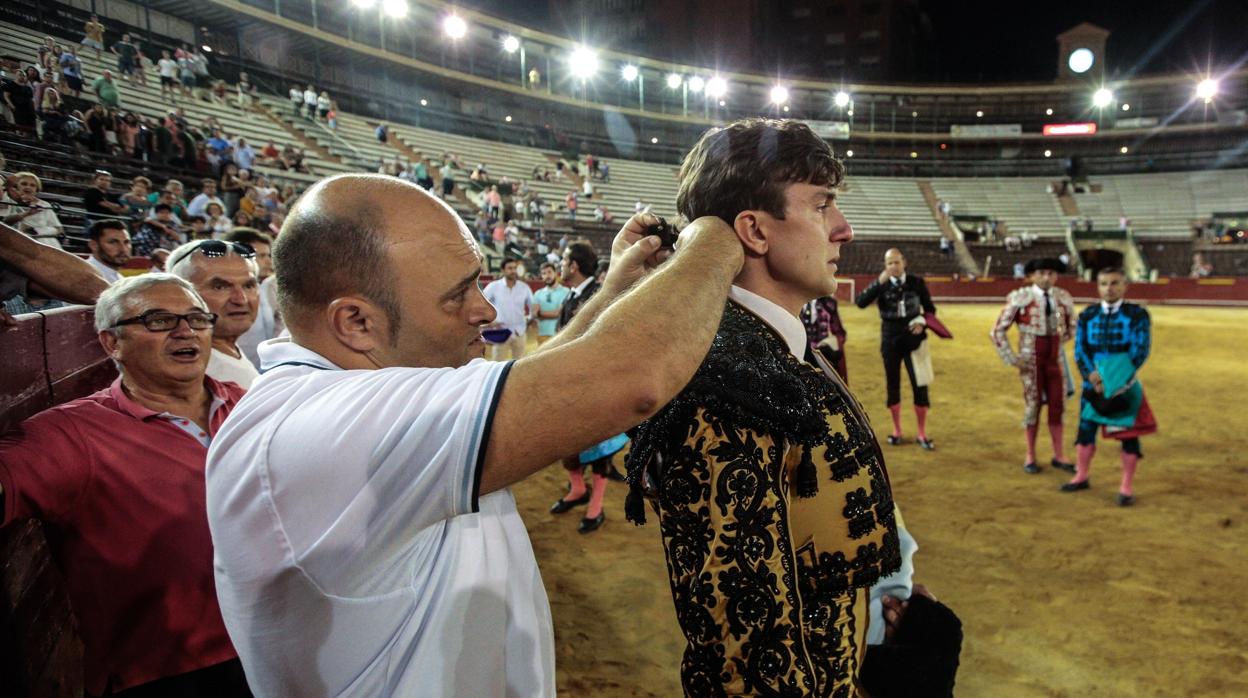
(1039, 291)
(284, 350)
(899, 279)
(576, 292)
(782, 321)
(1111, 307)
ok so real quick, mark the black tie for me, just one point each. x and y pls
(1048, 309)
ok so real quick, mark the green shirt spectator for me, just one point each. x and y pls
(107, 91)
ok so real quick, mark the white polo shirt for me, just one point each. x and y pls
(511, 303)
(352, 554)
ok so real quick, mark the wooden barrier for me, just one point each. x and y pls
(50, 358)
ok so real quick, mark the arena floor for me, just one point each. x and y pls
(1060, 594)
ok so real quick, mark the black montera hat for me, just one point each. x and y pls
(1045, 263)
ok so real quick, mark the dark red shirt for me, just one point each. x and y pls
(120, 490)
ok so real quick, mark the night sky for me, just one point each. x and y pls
(1150, 36)
(1009, 40)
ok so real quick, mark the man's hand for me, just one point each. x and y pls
(917, 328)
(1097, 384)
(633, 254)
(895, 610)
(884, 276)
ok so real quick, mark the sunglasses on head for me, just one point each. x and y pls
(215, 248)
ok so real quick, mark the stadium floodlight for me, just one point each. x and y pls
(1124, 149)
(779, 94)
(1048, 112)
(849, 153)
(206, 48)
(914, 154)
(394, 8)
(507, 118)
(455, 26)
(654, 141)
(1048, 153)
(1207, 89)
(841, 99)
(1126, 107)
(629, 72)
(979, 114)
(722, 103)
(717, 87)
(511, 44)
(364, 4)
(1102, 97)
(849, 112)
(696, 83)
(424, 102)
(673, 80)
(583, 62)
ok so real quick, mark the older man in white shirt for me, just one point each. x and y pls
(225, 274)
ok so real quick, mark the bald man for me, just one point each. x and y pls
(903, 299)
(366, 542)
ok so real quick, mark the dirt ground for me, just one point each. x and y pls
(1060, 594)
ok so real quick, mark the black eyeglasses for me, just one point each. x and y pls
(216, 248)
(165, 321)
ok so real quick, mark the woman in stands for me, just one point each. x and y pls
(217, 220)
(231, 187)
(19, 95)
(23, 209)
(136, 198)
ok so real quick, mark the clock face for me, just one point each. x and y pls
(1080, 60)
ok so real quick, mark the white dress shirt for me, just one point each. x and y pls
(110, 274)
(223, 367)
(512, 304)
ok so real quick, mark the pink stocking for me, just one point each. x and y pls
(1083, 461)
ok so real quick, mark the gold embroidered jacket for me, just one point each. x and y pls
(776, 517)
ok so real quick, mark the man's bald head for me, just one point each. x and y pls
(335, 242)
(894, 263)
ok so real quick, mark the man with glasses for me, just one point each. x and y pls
(225, 275)
(117, 479)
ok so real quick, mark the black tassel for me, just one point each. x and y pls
(635, 505)
(807, 475)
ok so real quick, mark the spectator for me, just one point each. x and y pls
(382, 133)
(269, 155)
(96, 199)
(24, 210)
(127, 57)
(241, 220)
(186, 73)
(173, 189)
(158, 232)
(199, 64)
(19, 96)
(946, 245)
(309, 102)
(535, 79)
(217, 220)
(244, 155)
(93, 35)
(267, 325)
(197, 228)
(296, 100)
(548, 301)
(109, 244)
(331, 118)
(124, 496)
(158, 257)
(218, 92)
(513, 300)
(1200, 268)
(71, 72)
(493, 202)
(168, 70)
(106, 90)
(224, 274)
(135, 200)
(569, 201)
(246, 92)
(602, 214)
(322, 105)
(207, 195)
(1020, 270)
(231, 187)
(604, 172)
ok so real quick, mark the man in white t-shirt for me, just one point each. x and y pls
(365, 540)
(225, 274)
(513, 299)
(109, 244)
(168, 69)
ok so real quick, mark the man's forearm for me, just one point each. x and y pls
(668, 320)
(59, 273)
